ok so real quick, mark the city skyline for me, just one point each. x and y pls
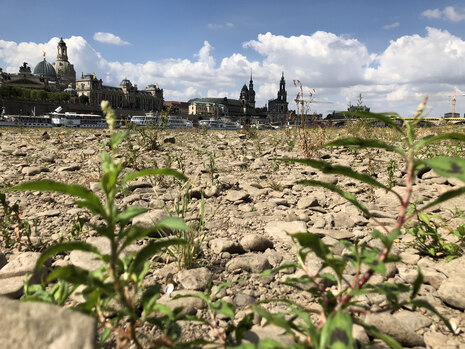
(388, 52)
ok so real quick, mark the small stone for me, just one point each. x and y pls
(451, 292)
(254, 242)
(243, 300)
(252, 263)
(30, 171)
(170, 140)
(190, 305)
(69, 168)
(391, 326)
(13, 274)
(195, 279)
(45, 136)
(237, 195)
(225, 245)
(41, 325)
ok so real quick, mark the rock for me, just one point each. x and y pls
(252, 263)
(334, 233)
(49, 213)
(151, 218)
(224, 245)
(256, 333)
(358, 332)
(392, 326)
(211, 191)
(190, 305)
(237, 195)
(279, 230)
(452, 292)
(90, 261)
(41, 325)
(13, 274)
(3, 260)
(30, 171)
(195, 279)
(243, 300)
(69, 168)
(45, 136)
(307, 202)
(254, 242)
(170, 140)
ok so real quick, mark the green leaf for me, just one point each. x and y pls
(424, 304)
(65, 246)
(76, 275)
(387, 118)
(153, 172)
(117, 138)
(243, 326)
(314, 243)
(129, 213)
(73, 190)
(374, 332)
(334, 188)
(173, 223)
(223, 307)
(445, 136)
(417, 284)
(151, 249)
(106, 162)
(388, 239)
(337, 332)
(326, 167)
(362, 144)
(444, 197)
(448, 167)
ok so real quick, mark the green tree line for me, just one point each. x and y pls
(25, 93)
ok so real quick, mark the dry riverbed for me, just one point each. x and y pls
(251, 203)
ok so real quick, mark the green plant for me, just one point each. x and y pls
(12, 226)
(429, 240)
(115, 293)
(391, 168)
(337, 294)
(209, 165)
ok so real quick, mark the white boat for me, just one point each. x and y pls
(219, 124)
(177, 122)
(25, 121)
(71, 119)
(145, 120)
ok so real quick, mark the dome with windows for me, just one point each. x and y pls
(125, 83)
(45, 69)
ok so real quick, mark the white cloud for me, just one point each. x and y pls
(391, 26)
(448, 13)
(109, 38)
(338, 67)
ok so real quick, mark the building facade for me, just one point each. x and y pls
(124, 96)
(278, 108)
(66, 75)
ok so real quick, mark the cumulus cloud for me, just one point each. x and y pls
(391, 26)
(109, 38)
(448, 13)
(338, 67)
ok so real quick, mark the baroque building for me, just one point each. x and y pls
(124, 96)
(278, 108)
(226, 107)
(66, 75)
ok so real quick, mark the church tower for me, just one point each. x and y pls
(65, 70)
(282, 94)
(251, 93)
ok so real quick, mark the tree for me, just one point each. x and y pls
(83, 99)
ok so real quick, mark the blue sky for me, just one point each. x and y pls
(391, 52)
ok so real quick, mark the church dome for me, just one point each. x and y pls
(125, 83)
(45, 69)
